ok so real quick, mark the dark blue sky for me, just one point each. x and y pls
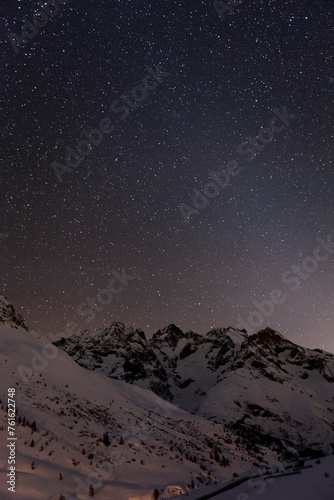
(222, 79)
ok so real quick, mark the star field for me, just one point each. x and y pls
(60, 242)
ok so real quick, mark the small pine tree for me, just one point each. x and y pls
(60, 476)
(33, 466)
(106, 439)
(91, 491)
(156, 494)
(32, 443)
(121, 440)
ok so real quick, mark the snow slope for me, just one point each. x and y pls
(315, 483)
(73, 408)
(250, 404)
(265, 388)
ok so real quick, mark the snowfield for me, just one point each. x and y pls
(81, 429)
(73, 408)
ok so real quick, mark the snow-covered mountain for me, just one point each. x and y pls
(264, 387)
(106, 426)
(8, 315)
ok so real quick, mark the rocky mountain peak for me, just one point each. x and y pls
(9, 316)
(119, 330)
(226, 334)
(116, 327)
(171, 335)
(270, 338)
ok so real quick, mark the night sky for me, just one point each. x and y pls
(185, 91)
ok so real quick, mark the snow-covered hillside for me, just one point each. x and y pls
(152, 442)
(77, 427)
(266, 389)
(313, 481)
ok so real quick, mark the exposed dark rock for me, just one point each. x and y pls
(9, 316)
(187, 350)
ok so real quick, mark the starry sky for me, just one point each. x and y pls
(216, 77)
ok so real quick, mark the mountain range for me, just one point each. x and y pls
(180, 413)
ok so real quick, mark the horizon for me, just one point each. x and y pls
(182, 173)
(52, 336)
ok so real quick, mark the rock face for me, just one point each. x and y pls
(8, 315)
(120, 353)
(173, 359)
(263, 387)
